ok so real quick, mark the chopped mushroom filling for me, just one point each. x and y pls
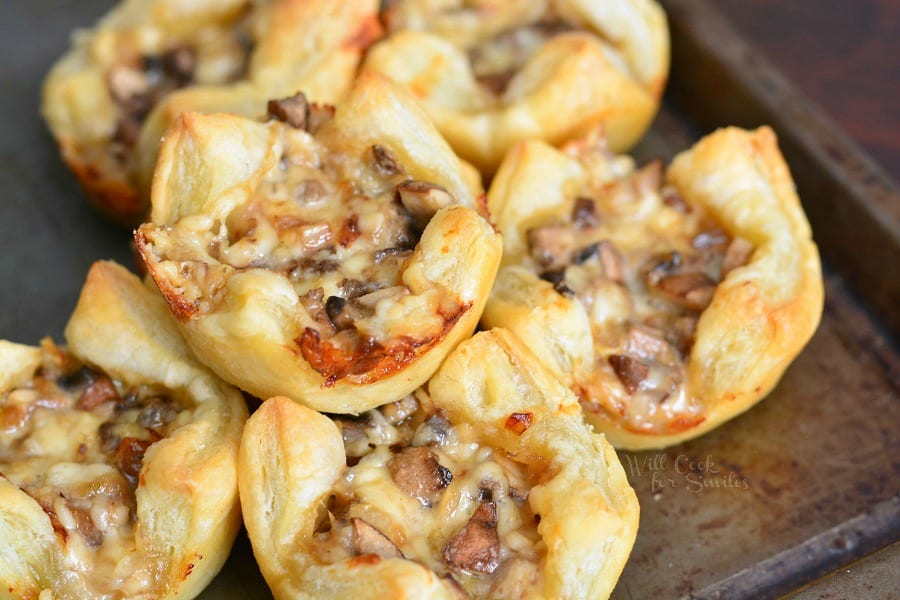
(340, 229)
(74, 440)
(644, 265)
(420, 488)
(215, 55)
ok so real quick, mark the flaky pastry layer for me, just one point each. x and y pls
(117, 455)
(110, 99)
(489, 484)
(492, 73)
(668, 302)
(333, 257)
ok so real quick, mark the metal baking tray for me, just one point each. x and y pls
(804, 483)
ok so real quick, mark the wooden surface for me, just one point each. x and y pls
(843, 55)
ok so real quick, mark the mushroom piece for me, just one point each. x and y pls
(552, 246)
(293, 110)
(418, 473)
(399, 411)
(477, 545)
(385, 161)
(737, 255)
(691, 290)
(630, 371)
(422, 199)
(368, 540)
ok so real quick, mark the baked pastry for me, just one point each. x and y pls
(487, 485)
(334, 257)
(117, 455)
(109, 100)
(668, 302)
(491, 73)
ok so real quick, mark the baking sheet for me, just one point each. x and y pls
(807, 481)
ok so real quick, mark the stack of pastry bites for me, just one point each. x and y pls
(314, 239)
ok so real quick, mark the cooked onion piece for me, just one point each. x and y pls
(669, 302)
(488, 485)
(109, 100)
(491, 73)
(330, 256)
(117, 455)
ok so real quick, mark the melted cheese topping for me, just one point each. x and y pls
(430, 525)
(335, 227)
(644, 265)
(73, 439)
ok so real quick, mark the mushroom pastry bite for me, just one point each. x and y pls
(118, 455)
(485, 484)
(669, 302)
(331, 256)
(109, 100)
(491, 73)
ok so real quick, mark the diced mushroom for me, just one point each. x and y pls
(158, 412)
(178, 64)
(99, 391)
(399, 411)
(396, 254)
(83, 376)
(109, 439)
(661, 265)
(558, 278)
(690, 290)
(737, 255)
(342, 313)
(368, 540)
(293, 110)
(552, 246)
(422, 200)
(610, 259)
(646, 342)
(310, 191)
(313, 302)
(85, 526)
(385, 161)
(584, 213)
(434, 431)
(129, 456)
(476, 547)
(418, 473)
(630, 371)
(355, 437)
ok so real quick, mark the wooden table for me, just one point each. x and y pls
(843, 55)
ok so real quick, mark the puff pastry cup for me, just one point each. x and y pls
(669, 302)
(109, 100)
(118, 455)
(487, 485)
(334, 257)
(491, 73)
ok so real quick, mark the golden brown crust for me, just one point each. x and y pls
(262, 327)
(276, 46)
(187, 512)
(759, 318)
(291, 458)
(596, 64)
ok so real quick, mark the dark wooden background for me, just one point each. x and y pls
(843, 55)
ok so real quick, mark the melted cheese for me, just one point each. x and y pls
(643, 226)
(331, 225)
(65, 457)
(421, 530)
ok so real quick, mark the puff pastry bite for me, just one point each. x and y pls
(491, 73)
(117, 455)
(334, 257)
(487, 485)
(109, 100)
(669, 302)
